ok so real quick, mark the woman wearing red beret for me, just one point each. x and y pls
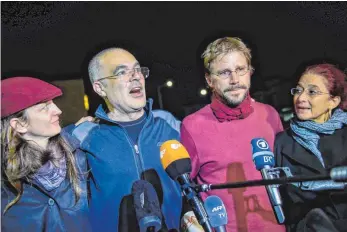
(43, 186)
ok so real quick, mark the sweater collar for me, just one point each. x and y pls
(102, 114)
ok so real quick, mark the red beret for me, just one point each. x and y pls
(19, 93)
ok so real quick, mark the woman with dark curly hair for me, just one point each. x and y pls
(43, 185)
(316, 142)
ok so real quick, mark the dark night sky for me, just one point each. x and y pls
(55, 39)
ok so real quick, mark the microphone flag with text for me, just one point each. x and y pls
(264, 161)
(216, 212)
(147, 207)
(176, 162)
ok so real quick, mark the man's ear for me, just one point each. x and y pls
(18, 126)
(208, 80)
(251, 70)
(99, 89)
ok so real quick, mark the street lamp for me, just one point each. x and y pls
(203, 92)
(167, 84)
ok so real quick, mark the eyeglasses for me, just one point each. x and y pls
(144, 71)
(225, 74)
(310, 92)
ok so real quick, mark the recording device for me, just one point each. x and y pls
(339, 174)
(216, 212)
(147, 207)
(264, 161)
(176, 162)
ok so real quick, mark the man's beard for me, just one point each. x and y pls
(234, 101)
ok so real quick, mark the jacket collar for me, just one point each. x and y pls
(298, 153)
(66, 133)
(101, 113)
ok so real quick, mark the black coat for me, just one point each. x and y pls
(297, 203)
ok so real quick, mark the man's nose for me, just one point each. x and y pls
(135, 75)
(234, 78)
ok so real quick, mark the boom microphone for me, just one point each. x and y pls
(337, 174)
(146, 206)
(176, 162)
(216, 212)
(264, 161)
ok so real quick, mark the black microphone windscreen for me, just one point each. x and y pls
(152, 177)
(179, 167)
(146, 201)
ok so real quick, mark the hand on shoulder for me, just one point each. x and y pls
(84, 119)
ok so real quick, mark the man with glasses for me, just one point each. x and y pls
(218, 136)
(124, 146)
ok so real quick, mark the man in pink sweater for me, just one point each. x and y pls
(218, 137)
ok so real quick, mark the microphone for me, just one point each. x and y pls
(146, 206)
(176, 162)
(216, 212)
(339, 174)
(264, 161)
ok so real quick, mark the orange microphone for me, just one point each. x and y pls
(175, 159)
(176, 162)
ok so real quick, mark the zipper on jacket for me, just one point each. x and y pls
(138, 160)
(136, 149)
(139, 164)
(136, 155)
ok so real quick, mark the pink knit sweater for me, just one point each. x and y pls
(221, 152)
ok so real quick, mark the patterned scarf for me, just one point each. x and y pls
(225, 113)
(306, 133)
(51, 176)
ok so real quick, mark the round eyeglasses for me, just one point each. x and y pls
(310, 92)
(227, 73)
(144, 71)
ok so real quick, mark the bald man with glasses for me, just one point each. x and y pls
(124, 145)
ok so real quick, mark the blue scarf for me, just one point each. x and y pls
(306, 133)
(51, 176)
